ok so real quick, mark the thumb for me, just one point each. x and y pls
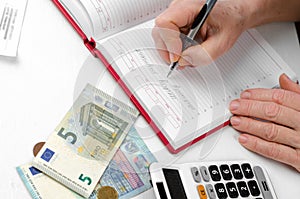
(287, 84)
(195, 56)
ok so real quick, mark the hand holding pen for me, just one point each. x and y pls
(217, 33)
(196, 25)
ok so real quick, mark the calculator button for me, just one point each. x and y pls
(247, 170)
(262, 182)
(211, 191)
(232, 190)
(214, 173)
(204, 173)
(236, 171)
(253, 187)
(196, 174)
(220, 189)
(243, 189)
(225, 171)
(201, 192)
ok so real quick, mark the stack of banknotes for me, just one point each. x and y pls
(95, 152)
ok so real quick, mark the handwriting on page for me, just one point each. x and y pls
(145, 73)
(195, 97)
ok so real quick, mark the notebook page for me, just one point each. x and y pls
(80, 15)
(111, 16)
(194, 100)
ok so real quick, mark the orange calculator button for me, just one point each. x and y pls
(201, 192)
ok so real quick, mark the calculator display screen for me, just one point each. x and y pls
(174, 183)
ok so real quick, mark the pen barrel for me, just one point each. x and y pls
(201, 17)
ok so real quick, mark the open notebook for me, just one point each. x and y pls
(192, 103)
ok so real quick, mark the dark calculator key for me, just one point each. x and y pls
(214, 173)
(225, 171)
(253, 187)
(236, 171)
(243, 189)
(247, 170)
(221, 192)
(232, 190)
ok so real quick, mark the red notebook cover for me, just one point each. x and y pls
(91, 45)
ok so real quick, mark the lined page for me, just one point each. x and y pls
(194, 100)
(111, 16)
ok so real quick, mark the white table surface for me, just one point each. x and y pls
(37, 89)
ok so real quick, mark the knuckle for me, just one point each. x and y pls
(271, 132)
(297, 121)
(296, 142)
(247, 124)
(279, 95)
(271, 110)
(274, 151)
(247, 106)
(160, 21)
(255, 145)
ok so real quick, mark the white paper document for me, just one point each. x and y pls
(11, 20)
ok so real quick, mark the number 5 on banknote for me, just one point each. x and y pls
(66, 135)
(78, 151)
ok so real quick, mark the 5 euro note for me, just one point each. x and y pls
(78, 151)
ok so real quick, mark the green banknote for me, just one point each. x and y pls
(78, 151)
(127, 173)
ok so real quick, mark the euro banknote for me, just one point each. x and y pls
(78, 151)
(127, 173)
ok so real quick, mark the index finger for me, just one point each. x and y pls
(283, 97)
(179, 15)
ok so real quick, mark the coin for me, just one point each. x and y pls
(37, 148)
(107, 192)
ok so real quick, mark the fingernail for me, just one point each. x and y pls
(234, 105)
(235, 121)
(246, 95)
(286, 76)
(243, 139)
(172, 58)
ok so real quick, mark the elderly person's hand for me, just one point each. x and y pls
(269, 120)
(227, 20)
(223, 26)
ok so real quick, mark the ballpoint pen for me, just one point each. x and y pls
(197, 24)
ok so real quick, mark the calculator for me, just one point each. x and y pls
(211, 180)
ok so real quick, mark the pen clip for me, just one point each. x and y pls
(201, 17)
(210, 4)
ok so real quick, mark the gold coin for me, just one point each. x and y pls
(37, 148)
(107, 192)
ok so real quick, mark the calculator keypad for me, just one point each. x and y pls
(214, 173)
(230, 181)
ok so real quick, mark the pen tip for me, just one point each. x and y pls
(169, 73)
